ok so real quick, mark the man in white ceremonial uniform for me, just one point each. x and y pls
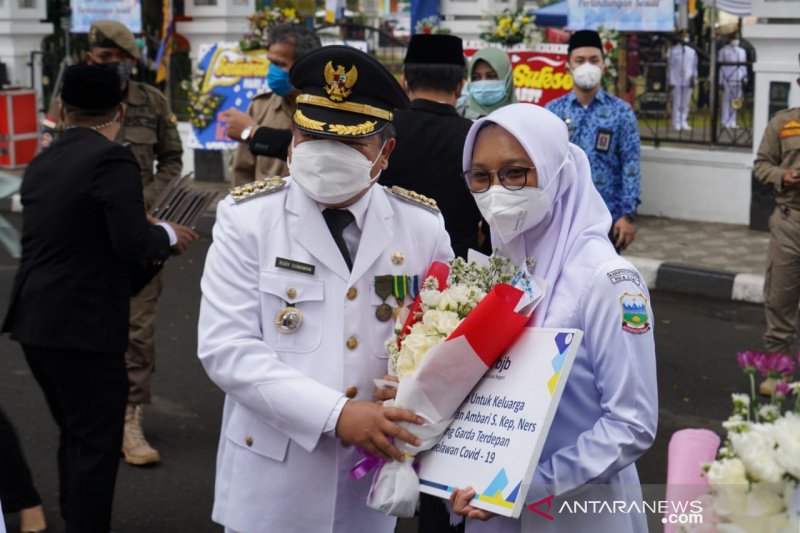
(296, 308)
(732, 77)
(682, 77)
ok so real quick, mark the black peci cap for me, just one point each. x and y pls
(435, 48)
(91, 87)
(344, 93)
(582, 38)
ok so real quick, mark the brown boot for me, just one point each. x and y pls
(135, 447)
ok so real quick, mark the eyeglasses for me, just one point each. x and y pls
(512, 178)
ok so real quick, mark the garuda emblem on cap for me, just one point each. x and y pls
(339, 82)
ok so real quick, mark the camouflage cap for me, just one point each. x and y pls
(113, 34)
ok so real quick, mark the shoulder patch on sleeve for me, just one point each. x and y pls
(257, 188)
(414, 198)
(624, 274)
(635, 318)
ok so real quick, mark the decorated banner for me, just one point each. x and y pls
(540, 72)
(228, 78)
(498, 434)
(84, 12)
(622, 15)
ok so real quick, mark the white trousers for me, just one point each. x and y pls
(681, 96)
(729, 94)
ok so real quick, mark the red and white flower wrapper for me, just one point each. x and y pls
(439, 386)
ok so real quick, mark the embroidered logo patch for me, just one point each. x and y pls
(634, 313)
(624, 274)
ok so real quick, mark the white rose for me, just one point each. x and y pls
(447, 302)
(786, 432)
(728, 479)
(430, 299)
(764, 499)
(415, 346)
(727, 472)
(742, 523)
(459, 293)
(756, 449)
(443, 322)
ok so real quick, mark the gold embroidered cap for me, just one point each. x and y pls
(344, 93)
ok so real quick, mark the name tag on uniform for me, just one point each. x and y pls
(295, 266)
(603, 141)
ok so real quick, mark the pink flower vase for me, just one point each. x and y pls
(688, 450)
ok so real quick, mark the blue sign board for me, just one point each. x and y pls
(622, 15)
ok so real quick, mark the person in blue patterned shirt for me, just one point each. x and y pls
(606, 128)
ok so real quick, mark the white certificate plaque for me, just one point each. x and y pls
(498, 433)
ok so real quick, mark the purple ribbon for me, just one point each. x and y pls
(370, 462)
(365, 465)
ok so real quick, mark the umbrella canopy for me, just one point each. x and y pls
(554, 15)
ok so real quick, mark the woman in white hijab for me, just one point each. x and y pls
(535, 190)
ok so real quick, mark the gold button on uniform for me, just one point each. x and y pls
(248, 440)
(291, 292)
(352, 292)
(352, 343)
(351, 392)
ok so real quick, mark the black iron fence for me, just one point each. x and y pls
(380, 42)
(720, 107)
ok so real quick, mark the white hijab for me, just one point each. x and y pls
(572, 240)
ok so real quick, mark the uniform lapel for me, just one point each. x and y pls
(377, 233)
(309, 229)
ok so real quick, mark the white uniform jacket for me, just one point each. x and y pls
(735, 72)
(608, 413)
(276, 470)
(682, 65)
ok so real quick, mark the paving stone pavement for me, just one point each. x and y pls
(718, 260)
(725, 261)
(722, 247)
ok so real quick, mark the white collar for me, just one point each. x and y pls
(358, 209)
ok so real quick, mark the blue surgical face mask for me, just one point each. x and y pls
(487, 92)
(278, 80)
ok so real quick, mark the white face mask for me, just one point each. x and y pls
(587, 76)
(330, 172)
(735, 42)
(509, 213)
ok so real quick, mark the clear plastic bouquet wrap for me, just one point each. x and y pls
(464, 318)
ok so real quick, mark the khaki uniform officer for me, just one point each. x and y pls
(293, 319)
(150, 129)
(778, 162)
(287, 44)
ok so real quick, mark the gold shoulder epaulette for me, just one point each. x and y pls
(257, 188)
(414, 198)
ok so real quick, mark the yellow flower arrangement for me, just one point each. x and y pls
(260, 23)
(510, 27)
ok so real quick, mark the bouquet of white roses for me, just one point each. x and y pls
(454, 332)
(753, 482)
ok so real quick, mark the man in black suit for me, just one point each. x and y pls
(87, 246)
(431, 135)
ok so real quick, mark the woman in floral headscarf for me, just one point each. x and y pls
(535, 189)
(490, 85)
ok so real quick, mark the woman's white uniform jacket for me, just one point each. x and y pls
(276, 469)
